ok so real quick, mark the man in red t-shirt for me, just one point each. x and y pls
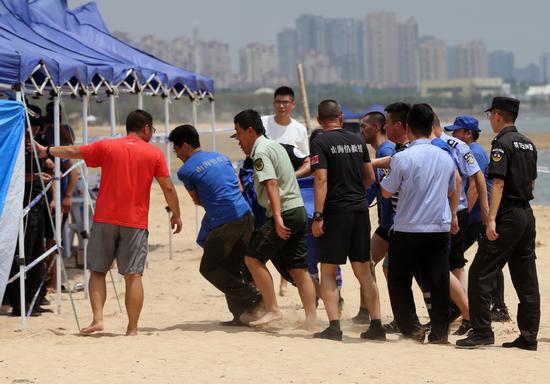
(128, 167)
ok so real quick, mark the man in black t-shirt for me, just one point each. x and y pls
(342, 170)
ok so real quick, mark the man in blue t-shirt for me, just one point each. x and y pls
(212, 183)
(466, 128)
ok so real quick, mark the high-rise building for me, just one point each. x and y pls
(287, 54)
(319, 70)
(344, 47)
(530, 74)
(216, 63)
(468, 60)
(501, 64)
(432, 54)
(383, 49)
(408, 52)
(258, 64)
(310, 34)
(182, 53)
(545, 68)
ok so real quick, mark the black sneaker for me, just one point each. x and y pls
(521, 343)
(500, 315)
(418, 335)
(236, 322)
(374, 333)
(476, 339)
(362, 317)
(439, 340)
(329, 334)
(464, 328)
(391, 327)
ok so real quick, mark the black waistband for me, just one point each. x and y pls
(514, 203)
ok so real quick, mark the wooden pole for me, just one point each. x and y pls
(303, 93)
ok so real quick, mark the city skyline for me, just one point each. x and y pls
(244, 21)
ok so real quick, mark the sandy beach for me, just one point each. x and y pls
(180, 340)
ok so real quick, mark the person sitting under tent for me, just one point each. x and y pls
(34, 226)
(128, 166)
(212, 183)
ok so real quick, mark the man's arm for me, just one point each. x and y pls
(171, 197)
(496, 197)
(66, 201)
(383, 162)
(272, 186)
(454, 200)
(481, 187)
(304, 169)
(320, 193)
(368, 175)
(195, 197)
(471, 193)
(65, 152)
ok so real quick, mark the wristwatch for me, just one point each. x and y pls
(317, 216)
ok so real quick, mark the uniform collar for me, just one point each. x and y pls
(419, 142)
(258, 141)
(511, 128)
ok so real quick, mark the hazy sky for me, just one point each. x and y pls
(518, 26)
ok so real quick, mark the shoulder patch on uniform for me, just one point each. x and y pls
(452, 143)
(314, 160)
(469, 157)
(497, 154)
(258, 165)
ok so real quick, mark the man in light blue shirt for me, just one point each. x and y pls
(424, 177)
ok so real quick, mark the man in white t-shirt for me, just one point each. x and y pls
(283, 129)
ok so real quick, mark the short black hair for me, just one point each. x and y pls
(420, 120)
(329, 110)
(284, 91)
(250, 118)
(507, 116)
(37, 120)
(137, 120)
(399, 111)
(378, 119)
(475, 134)
(185, 134)
(49, 112)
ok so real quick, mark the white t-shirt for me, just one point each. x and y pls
(293, 134)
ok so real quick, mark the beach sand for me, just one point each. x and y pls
(180, 340)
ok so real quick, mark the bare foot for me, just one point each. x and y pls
(131, 332)
(283, 288)
(267, 318)
(308, 325)
(94, 327)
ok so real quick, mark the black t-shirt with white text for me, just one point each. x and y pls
(343, 155)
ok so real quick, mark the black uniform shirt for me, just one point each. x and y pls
(514, 159)
(342, 154)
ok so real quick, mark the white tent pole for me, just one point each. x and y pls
(112, 113)
(57, 199)
(168, 161)
(86, 205)
(213, 113)
(140, 100)
(195, 121)
(22, 303)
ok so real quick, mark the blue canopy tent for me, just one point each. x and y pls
(39, 53)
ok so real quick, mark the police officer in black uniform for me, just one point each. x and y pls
(510, 234)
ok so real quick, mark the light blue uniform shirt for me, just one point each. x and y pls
(465, 162)
(423, 175)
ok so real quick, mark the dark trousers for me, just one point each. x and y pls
(515, 245)
(473, 233)
(222, 264)
(34, 248)
(430, 253)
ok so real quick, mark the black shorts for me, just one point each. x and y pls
(347, 235)
(473, 234)
(384, 233)
(266, 244)
(456, 256)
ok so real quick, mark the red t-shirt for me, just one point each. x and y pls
(128, 166)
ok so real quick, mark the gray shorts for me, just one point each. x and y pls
(125, 244)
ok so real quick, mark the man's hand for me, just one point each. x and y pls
(66, 204)
(40, 149)
(282, 231)
(175, 222)
(317, 228)
(491, 231)
(454, 225)
(484, 216)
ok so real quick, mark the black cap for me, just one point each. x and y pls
(505, 104)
